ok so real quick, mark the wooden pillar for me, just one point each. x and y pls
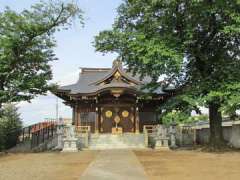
(99, 119)
(73, 115)
(76, 121)
(79, 116)
(136, 120)
(96, 120)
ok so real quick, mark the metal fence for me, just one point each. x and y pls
(38, 133)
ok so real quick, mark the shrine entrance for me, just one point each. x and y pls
(110, 100)
(117, 120)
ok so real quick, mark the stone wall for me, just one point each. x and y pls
(185, 136)
(200, 135)
(235, 136)
(83, 141)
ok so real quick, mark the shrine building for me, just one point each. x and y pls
(111, 100)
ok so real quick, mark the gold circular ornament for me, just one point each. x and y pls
(108, 114)
(117, 119)
(125, 113)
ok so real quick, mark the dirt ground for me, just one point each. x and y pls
(190, 165)
(159, 165)
(45, 166)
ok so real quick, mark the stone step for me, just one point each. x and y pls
(109, 141)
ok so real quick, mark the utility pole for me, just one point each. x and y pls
(57, 119)
(59, 129)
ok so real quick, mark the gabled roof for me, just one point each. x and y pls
(117, 67)
(94, 80)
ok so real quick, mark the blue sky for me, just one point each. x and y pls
(74, 49)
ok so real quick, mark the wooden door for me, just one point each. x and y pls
(108, 117)
(127, 119)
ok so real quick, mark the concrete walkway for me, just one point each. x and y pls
(115, 165)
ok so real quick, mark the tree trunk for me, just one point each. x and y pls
(233, 116)
(1, 89)
(1, 110)
(216, 133)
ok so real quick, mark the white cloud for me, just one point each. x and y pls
(42, 107)
(70, 78)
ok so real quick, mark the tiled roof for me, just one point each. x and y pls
(88, 78)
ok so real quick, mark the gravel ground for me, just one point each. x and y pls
(45, 166)
(190, 165)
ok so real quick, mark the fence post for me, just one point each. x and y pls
(194, 136)
(181, 135)
(43, 134)
(23, 134)
(37, 137)
(52, 130)
(145, 136)
(29, 132)
(48, 130)
(32, 141)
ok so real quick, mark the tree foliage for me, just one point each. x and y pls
(180, 117)
(26, 47)
(10, 126)
(194, 43)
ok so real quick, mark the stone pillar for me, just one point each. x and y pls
(70, 140)
(194, 136)
(173, 136)
(181, 135)
(234, 138)
(136, 120)
(161, 138)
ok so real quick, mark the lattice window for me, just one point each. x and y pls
(88, 119)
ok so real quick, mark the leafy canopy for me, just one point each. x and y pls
(179, 117)
(26, 47)
(194, 43)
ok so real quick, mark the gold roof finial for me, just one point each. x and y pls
(117, 63)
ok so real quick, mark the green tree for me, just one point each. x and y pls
(177, 117)
(10, 126)
(232, 102)
(180, 117)
(26, 47)
(194, 44)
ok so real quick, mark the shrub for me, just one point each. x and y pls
(175, 116)
(10, 126)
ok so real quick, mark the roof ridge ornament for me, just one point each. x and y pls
(117, 63)
(117, 72)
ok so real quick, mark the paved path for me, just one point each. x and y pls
(115, 165)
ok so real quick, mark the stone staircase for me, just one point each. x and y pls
(111, 141)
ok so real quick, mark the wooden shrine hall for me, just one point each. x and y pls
(110, 100)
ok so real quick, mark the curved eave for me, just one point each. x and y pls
(113, 71)
(132, 89)
(61, 91)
